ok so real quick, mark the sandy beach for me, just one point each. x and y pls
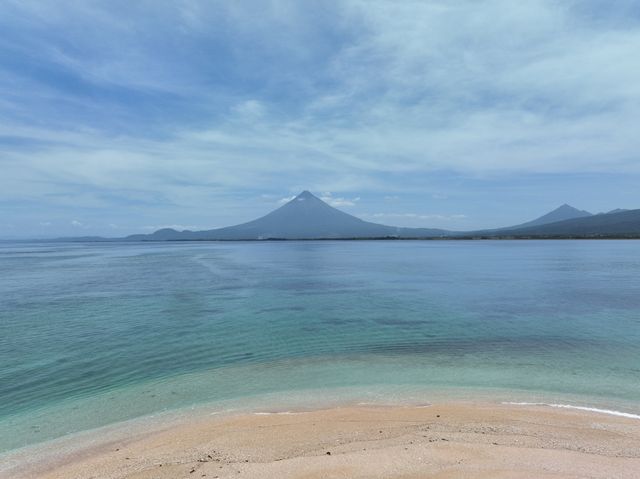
(438, 440)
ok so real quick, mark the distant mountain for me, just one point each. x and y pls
(624, 223)
(304, 217)
(308, 217)
(564, 212)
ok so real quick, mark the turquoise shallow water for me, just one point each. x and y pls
(92, 334)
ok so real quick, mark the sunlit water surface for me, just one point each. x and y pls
(91, 334)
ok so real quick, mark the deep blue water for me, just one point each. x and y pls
(95, 333)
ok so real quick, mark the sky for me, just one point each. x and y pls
(120, 117)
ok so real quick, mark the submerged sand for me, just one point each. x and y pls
(440, 441)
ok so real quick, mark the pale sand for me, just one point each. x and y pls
(453, 440)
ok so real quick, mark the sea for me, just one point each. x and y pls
(93, 334)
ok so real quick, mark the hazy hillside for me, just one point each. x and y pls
(622, 223)
(564, 212)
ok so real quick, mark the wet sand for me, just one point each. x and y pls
(439, 441)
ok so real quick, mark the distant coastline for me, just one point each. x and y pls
(386, 238)
(308, 218)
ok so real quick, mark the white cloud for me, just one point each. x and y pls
(338, 202)
(250, 110)
(286, 199)
(354, 96)
(473, 87)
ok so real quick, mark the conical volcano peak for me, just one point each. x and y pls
(566, 207)
(306, 195)
(561, 213)
(572, 212)
(304, 217)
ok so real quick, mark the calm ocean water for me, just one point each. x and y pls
(96, 333)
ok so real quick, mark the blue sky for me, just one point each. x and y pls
(126, 116)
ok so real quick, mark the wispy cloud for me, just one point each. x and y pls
(204, 103)
(339, 202)
(286, 199)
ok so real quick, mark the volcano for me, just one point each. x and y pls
(304, 217)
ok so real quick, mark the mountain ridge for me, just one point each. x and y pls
(304, 217)
(623, 223)
(561, 213)
(307, 217)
